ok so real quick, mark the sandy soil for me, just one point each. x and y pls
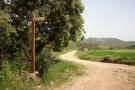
(100, 76)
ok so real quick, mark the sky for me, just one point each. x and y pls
(110, 18)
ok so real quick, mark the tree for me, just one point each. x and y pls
(64, 22)
(6, 31)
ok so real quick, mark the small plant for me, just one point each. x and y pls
(6, 73)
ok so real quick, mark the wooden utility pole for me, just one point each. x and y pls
(33, 20)
(33, 43)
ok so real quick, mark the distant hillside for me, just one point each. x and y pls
(110, 42)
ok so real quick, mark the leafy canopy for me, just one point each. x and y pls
(63, 22)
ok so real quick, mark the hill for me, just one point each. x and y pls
(107, 43)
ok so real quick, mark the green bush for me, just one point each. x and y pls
(20, 65)
(43, 60)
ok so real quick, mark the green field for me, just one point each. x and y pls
(114, 55)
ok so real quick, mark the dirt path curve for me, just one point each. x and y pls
(100, 76)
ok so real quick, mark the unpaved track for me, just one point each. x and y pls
(100, 76)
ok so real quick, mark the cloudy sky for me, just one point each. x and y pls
(110, 18)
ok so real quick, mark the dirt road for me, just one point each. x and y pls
(100, 76)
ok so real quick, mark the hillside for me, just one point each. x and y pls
(110, 42)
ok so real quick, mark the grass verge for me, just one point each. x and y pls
(58, 73)
(53, 73)
(14, 80)
(61, 72)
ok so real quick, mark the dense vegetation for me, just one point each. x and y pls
(56, 73)
(63, 24)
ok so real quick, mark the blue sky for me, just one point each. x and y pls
(110, 18)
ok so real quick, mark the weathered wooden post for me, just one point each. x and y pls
(33, 42)
(33, 20)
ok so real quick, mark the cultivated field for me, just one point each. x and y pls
(117, 56)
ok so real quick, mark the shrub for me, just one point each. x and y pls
(43, 60)
(20, 65)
